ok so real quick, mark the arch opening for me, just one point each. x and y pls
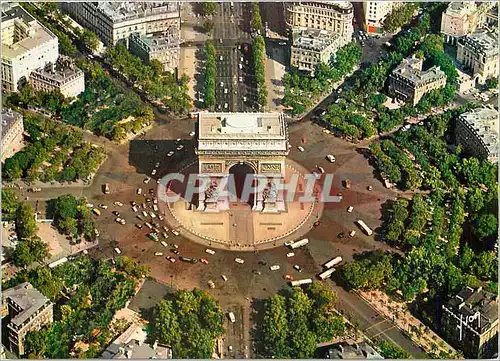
(240, 172)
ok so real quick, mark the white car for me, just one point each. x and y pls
(157, 164)
(226, 105)
(153, 172)
(149, 225)
(300, 148)
(221, 58)
(164, 244)
(152, 215)
(176, 233)
(221, 84)
(231, 317)
(240, 66)
(134, 208)
(352, 234)
(180, 147)
(161, 218)
(119, 204)
(158, 253)
(103, 206)
(226, 91)
(210, 251)
(224, 277)
(289, 243)
(240, 79)
(144, 213)
(321, 169)
(350, 209)
(290, 254)
(146, 181)
(155, 207)
(192, 134)
(117, 250)
(139, 191)
(155, 201)
(244, 99)
(274, 267)
(171, 153)
(239, 260)
(330, 158)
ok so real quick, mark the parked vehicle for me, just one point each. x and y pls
(96, 212)
(301, 282)
(239, 260)
(210, 251)
(231, 317)
(364, 227)
(326, 274)
(105, 188)
(333, 262)
(300, 243)
(274, 267)
(352, 234)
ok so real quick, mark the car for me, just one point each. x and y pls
(119, 204)
(134, 208)
(350, 209)
(176, 246)
(118, 220)
(164, 235)
(191, 134)
(239, 260)
(241, 59)
(103, 206)
(180, 147)
(155, 200)
(352, 233)
(300, 148)
(157, 164)
(288, 277)
(204, 260)
(240, 79)
(262, 263)
(290, 254)
(176, 233)
(370, 188)
(161, 218)
(317, 223)
(211, 284)
(240, 66)
(171, 259)
(148, 200)
(321, 169)
(153, 172)
(289, 243)
(339, 194)
(90, 205)
(282, 43)
(152, 214)
(140, 218)
(256, 272)
(165, 228)
(340, 235)
(171, 153)
(117, 250)
(151, 190)
(221, 57)
(226, 105)
(210, 251)
(221, 84)
(175, 251)
(133, 203)
(224, 277)
(330, 158)
(297, 267)
(226, 91)
(188, 259)
(158, 253)
(116, 213)
(149, 225)
(145, 214)
(274, 267)
(244, 99)
(144, 206)
(155, 207)
(231, 317)
(147, 180)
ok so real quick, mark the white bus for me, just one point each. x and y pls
(305, 281)
(326, 274)
(300, 243)
(333, 262)
(58, 262)
(364, 227)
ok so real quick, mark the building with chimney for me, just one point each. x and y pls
(464, 17)
(409, 83)
(164, 47)
(478, 53)
(311, 47)
(29, 310)
(333, 16)
(26, 46)
(477, 132)
(62, 75)
(470, 322)
(116, 21)
(12, 133)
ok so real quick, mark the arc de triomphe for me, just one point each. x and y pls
(259, 140)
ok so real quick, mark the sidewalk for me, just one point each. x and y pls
(404, 320)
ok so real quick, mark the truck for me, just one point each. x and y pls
(364, 227)
(326, 274)
(304, 281)
(333, 262)
(298, 244)
(347, 183)
(105, 188)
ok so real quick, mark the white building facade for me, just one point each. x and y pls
(26, 46)
(374, 14)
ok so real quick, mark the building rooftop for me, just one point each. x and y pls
(313, 39)
(469, 302)
(27, 298)
(350, 351)
(482, 42)
(62, 70)
(485, 123)
(127, 10)
(339, 4)
(411, 69)
(461, 7)
(159, 41)
(137, 350)
(32, 34)
(9, 118)
(241, 125)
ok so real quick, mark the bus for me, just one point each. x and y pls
(304, 281)
(333, 262)
(300, 243)
(364, 227)
(58, 262)
(326, 274)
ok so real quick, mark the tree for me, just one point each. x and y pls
(208, 25)
(28, 251)
(391, 351)
(35, 344)
(12, 170)
(399, 16)
(256, 22)
(486, 225)
(89, 39)
(209, 8)
(25, 221)
(275, 328)
(9, 203)
(491, 83)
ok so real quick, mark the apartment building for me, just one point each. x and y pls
(464, 17)
(164, 47)
(477, 132)
(62, 75)
(374, 14)
(409, 83)
(26, 46)
(478, 53)
(333, 16)
(311, 47)
(12, 133)
(116, 21)
(29, 310)
(470, 322)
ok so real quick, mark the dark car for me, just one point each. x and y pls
(187, 259)
(319, 112)
(140, 217)
(262, 263)
(151, 191)
(340, 235)
(139, 226)
(116, 213)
